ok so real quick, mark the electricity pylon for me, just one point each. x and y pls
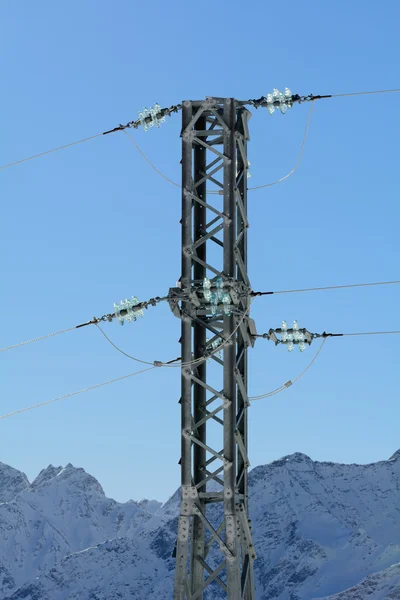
(214, 551)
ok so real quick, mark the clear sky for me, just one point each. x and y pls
(92, 224)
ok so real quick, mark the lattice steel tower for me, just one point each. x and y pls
(214, 552)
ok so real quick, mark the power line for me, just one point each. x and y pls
(153, 301)
(122, 314)
(23, 160)
(330, 287)
(170, 363)
(149, 161)
(38, 339)
(290, 382)
(364, 93)
(219, 192)
(259, 187)
(291, 336)
(176, 108)
(264, 101)
(143, 362)
(363, 333)
(88, 389)
(155, 365)
(150, 118)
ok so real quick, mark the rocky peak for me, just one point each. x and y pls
(151, 506)
(395, 456)
(45, 476)
(12, 482)
(74, 477)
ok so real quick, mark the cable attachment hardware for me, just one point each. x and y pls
(145, 118)
(212, 348)
(291, 336)
(176, 295)
(128, 310)
(279, 100)
(149, 118)
(218, 301)
(311, 98)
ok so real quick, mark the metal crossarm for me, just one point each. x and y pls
(214, 551)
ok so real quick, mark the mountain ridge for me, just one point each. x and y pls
(321, 529)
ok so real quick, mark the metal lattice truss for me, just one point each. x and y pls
(214, 552)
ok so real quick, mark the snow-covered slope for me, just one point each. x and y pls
(64, 510)
(380, 586)
(11, 482)
(117, 569)
(320, 529)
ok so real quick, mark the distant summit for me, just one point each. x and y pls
(76, 476)
(322, 531)
(12, 482)
(395, 456)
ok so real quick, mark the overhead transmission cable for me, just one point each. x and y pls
(290, 382)
(23, 160)
(156, 115)
(149, 161)
(127, 312)
(301, 337)
(153, 301)
(330, 287)
(363, 333)
(259, 187)
(148, 118)
(65, 396)
(38, 339)
(139, 306)
(218, 192)
(155, 363)
(395, 91)
(153, 366)
(170, 364)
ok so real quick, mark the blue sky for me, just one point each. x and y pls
(90, 225)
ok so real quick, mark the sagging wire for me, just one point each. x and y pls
(265, 185)
(290, 382)
(170, 364)
(162, 113)
(218, 192)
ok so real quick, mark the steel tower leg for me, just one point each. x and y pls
(214, 552)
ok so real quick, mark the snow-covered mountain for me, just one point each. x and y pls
(11, 482)
(384, 585)
(321, 530)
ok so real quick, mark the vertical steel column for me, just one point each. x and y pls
(242, 358)
(200, 336)
(214, 551)
(186, 342)
(229, 238)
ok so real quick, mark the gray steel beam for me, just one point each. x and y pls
(232, 564)
(186, 341)
(242, 366)
(199, 392)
